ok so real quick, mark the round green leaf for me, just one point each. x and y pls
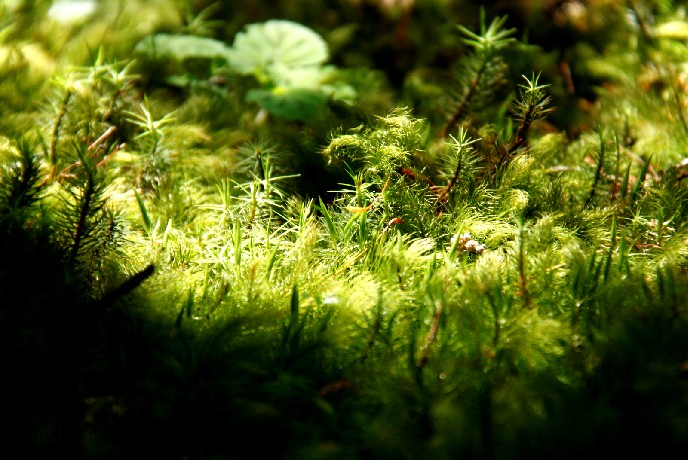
(276, 46)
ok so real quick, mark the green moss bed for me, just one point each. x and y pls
(350, 229)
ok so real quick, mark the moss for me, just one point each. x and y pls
(402, 249)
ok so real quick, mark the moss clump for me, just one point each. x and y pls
(452, 241)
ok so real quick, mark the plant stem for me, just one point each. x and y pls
(432, 334)
(52, 154)
(598, 172)
(522, 278)
(472, 90)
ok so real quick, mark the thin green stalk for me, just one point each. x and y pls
(55, 134)
(522, 276)
(615, 183)
(85, 209)
(598, 171)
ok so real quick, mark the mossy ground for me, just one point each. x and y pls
(187, 274)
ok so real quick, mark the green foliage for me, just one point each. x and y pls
(274, 49)
(20, 183)
(382, 149)
(479, 75)
(240, 251)
(294, 104)
(285, 58)
(182, 47)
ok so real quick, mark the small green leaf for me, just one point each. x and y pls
(182, 47)
(328, 220)
(147, 224)
(293, 104)
(641, 179)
